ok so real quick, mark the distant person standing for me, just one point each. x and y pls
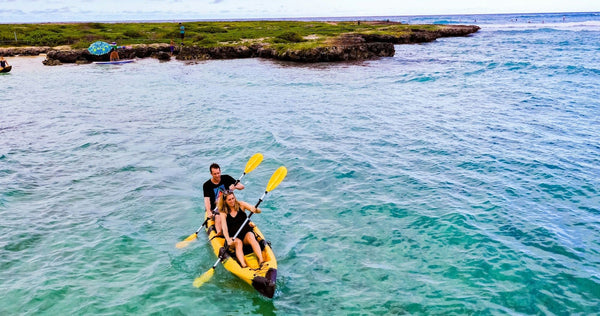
(114, 54)
(172, 47)
(181, 32)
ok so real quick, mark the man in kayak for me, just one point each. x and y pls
(217, 183)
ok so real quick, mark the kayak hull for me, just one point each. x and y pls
(116, 62)
(6, 69)
(263, 279)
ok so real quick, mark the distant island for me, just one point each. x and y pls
(296, 41)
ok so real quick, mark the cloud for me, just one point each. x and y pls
(52, 11)
(11, 12)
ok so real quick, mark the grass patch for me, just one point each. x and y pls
(287, 33)
(289, 37)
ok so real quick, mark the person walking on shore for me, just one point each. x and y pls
(181, 32)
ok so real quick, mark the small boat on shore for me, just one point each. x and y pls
(6, 69)
(261, 278)
(116, 62)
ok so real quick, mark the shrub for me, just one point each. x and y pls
(132, 34)
(40, 38)
(96, 25)
(289, 37)
(211, 29)
(207, 41)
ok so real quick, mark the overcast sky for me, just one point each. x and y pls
(12, 11)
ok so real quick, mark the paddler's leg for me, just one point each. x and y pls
(251, 240)
(218, 227)
(239, 252)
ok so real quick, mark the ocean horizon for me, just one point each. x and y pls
(484, 18)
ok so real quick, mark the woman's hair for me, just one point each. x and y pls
(222, 206)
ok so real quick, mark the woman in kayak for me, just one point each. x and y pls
(234, 212)
(3, 63)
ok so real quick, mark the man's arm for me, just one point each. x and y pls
(238, 186)
(234, 184)
(207, 206)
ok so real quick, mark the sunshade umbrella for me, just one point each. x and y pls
(99, 48)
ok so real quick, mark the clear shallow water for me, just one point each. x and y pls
(459, 176)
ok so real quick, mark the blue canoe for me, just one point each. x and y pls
(116, 62)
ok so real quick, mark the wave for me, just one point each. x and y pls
(561, 26)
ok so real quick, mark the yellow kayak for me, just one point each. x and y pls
(261, 278)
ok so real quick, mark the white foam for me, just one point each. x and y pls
(565, 26)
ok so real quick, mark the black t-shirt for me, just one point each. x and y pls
(211, 190)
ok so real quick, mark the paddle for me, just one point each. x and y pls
(275, 180)
(254, 161)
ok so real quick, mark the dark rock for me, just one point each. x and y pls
(24, 51)
(66, 56)
(84, 56)
(51, 62)
(163, 56)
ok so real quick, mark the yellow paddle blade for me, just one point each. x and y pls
(186, 241)
(276, 178)
(254, 161)
(204, 278)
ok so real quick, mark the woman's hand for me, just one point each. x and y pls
(256, 210)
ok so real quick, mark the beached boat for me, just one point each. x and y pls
(114, 62)
(6, 69)
(261, 278)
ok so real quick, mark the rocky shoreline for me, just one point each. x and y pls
(348, 47)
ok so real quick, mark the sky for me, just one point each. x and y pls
(24, 11)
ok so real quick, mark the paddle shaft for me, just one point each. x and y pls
(240, 179)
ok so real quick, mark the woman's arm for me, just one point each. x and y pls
(224, 228)
(248, 207)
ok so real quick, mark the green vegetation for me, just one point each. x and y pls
(207, 34)
(289, 37)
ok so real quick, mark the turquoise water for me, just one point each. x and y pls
(457, 177)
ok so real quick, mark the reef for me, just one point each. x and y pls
(346, 47)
